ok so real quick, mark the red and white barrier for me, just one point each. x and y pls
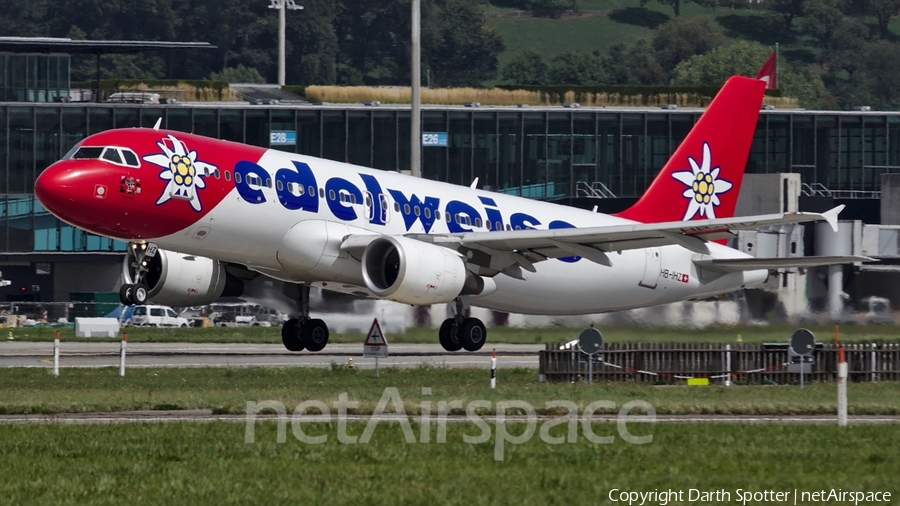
(56, 355)
(494, 369)
(122, 355)
(842, 388)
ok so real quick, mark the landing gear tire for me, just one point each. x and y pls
(449, 335)
(315, 333)
(125, 294)
(472, 334)
(291, 335)
(139, 294)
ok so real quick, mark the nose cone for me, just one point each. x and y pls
(71, 190)
(51, 189)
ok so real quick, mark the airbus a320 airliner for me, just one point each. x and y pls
(207, 218)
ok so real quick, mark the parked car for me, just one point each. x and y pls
(157, 316)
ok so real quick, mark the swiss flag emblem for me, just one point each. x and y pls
(684, 278)
(100, 191)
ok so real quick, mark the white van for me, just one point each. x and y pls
(157, 316)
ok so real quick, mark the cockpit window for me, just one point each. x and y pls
(112, 154)
(130, 158)
(87, 153)
(118, 156)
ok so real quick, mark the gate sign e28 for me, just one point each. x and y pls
(434, 139)
(283, 138)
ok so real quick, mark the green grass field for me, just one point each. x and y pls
(209, 463)
(226, 390)
(749, 334)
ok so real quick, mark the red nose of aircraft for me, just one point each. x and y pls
(77, 192)
(60, 188)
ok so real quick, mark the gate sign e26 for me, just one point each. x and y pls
(283, 138)
(434, 139)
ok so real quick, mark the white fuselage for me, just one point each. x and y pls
(302, 245)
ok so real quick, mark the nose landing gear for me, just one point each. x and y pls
(304, 332)
(135, 293)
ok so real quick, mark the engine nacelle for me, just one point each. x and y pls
(180, 280)
(414, 272)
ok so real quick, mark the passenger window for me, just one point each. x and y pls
(227, 175)
(237, 177)
(171, 313)
(331, 195)
(397, 207)
(417, 210)
(427, 212)
(156, 311)
(279, 185)
(478, 222)
(406, 209)
(139, 311)
(112, 155)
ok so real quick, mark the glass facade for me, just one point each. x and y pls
(34, 77)
(547, 153)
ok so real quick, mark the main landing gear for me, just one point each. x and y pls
(460, 332)
(135, 293)
(304, 332)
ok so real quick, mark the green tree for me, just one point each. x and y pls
(788, 10)
(548, 8)
(679, 39)
(462, 50)
(578, 68)
(633, 64)
(527, 67)
(821, 18)
(806, 85)
(676, 4)
(882, 73)
(883, 10)
(239, 74)
(714, 68)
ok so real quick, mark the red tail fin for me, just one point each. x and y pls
(703, 178)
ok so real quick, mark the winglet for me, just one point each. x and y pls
(831, 216)
(474, 184)
(158, 123)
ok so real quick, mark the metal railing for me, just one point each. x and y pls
(595, 190)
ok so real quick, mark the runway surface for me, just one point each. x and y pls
(86, 354)
(201, 415)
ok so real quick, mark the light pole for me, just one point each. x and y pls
(415, 96)
(282, 6)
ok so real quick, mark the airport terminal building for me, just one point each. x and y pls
(582, 156)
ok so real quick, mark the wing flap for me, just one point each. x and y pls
(755, 264)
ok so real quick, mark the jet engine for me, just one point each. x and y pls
(180, 280)
(414, 272)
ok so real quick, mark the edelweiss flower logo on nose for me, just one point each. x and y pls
(182, 170)
(704, 186)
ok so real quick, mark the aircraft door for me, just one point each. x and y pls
(652, 268)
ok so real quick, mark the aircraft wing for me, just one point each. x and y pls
(510, 251)
(754, 264)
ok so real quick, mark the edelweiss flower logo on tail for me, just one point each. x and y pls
(182, 170)
(704, 186)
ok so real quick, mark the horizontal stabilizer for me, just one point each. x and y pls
(755, 264)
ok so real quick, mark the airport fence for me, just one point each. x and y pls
(770, 363)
